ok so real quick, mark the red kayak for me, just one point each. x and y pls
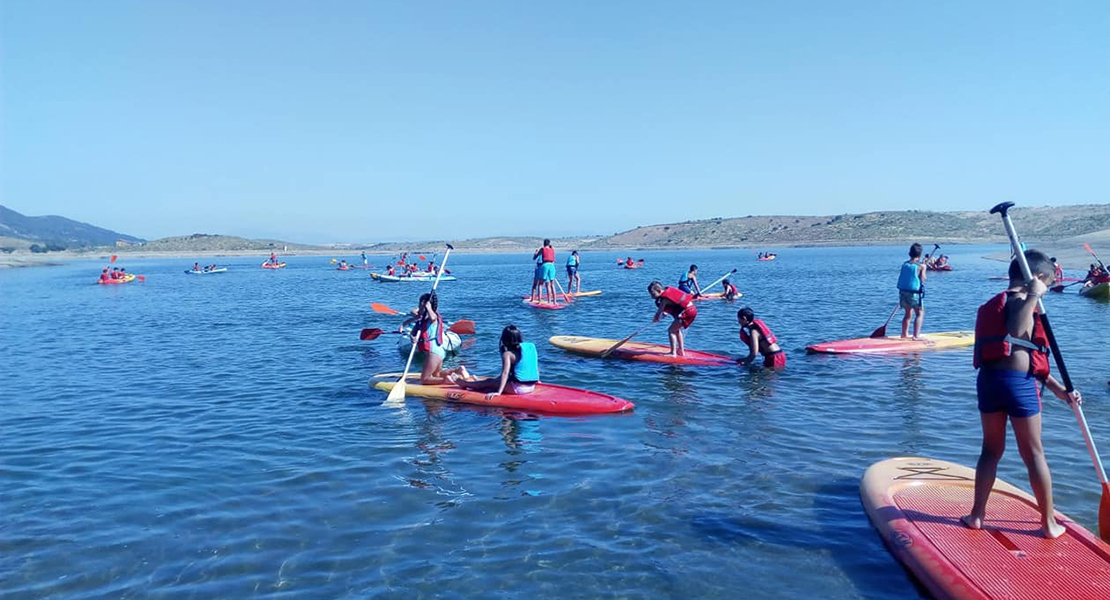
(940, 268)
(546, 305)
(547, 398)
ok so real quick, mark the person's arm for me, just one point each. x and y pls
(506, 369)
(753, 347)
(1061, 392)
(697, 288)
(536, 253)
(659, 311)
(921, 270)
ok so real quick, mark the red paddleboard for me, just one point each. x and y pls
(916, 504)
(637, 351)
(546, 305)
(547, 398)
(889, 345)
(716, 296)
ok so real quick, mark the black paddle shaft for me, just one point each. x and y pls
(1003, 209)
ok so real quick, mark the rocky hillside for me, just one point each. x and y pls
(56, 231)
(203, 242)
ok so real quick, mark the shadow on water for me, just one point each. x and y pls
(842, 531)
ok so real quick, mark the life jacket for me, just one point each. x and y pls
(994, 342)
(424, 342)
(674, 301)
(764, 331)
(548, 254)
(731, 289)
(572, 261)
(684, 282)
(909, 279)
(527, 367)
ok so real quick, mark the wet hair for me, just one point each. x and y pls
(693, 267)
(425, 298)
(511, 339)
(1039, 264)
(655, 286)
(575, 252)
(915, 251)
(726, 282)
(746, 313)
(546, 242)
(1053, 259)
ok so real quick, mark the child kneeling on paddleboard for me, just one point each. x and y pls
(755, 334)
(911, 289)
(427, 334)
(1011, 353)
(678, 304)
(520, 368)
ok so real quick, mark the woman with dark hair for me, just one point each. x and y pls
(428, 334)
(520, 369)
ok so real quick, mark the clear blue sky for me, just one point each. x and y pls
(370, 120)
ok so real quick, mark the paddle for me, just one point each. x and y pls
(1061, 288)
(461, 327)
(1104, 503)
(625, 340)
(378, 307)
(881, 332)
(565, 296)
(397, 394)
(719, 280)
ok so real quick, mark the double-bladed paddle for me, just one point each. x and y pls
(397, 394)
(1104, 503)
(461, 327)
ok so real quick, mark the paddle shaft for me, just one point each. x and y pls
(719, 280)
(1028, 275)
(565, 296)
(625, 340)
(1088, 248)
(394, 395)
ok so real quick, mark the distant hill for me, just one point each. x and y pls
(203, 242)
(57, 231)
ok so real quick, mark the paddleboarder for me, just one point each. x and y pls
(678, 304)
(546, 256)
(911, 288)
(1011, 353)
(573, 277)
(755, 334)
(689, 282)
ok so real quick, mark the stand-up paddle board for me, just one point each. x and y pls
(573, 294)
(545, 305)
(637, 351)
(916, 504)
(716, 296)
(894, 345)
(547, 398)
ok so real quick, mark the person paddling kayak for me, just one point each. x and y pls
(1011, 354)
(573, 278)
(911, 282)
(520, 368)
(755, 334)
(689, 282)
(678, 304)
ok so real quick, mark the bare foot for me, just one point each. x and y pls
(904, 336)
(916, 338)
(1052, 529)
(972, 522)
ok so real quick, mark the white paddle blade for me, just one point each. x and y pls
(397, 394)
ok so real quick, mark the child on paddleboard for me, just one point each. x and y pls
(572, 273)
(911, 288)
(428, 332)
(689, 282)
(1011, 353)
(755, 334)
(678, 304)
(730, 292)
(520, 368)
(546, 254)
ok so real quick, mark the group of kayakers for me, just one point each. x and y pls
(113, 274)
(767, 256)
(206, 268)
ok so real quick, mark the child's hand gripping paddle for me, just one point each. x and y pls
(397, 394)
(1104, 503)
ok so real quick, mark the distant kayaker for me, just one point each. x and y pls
(104, 275)
(1011, 353)
(730, 292)
(389, 271)
(678, 304)
(628, 263)
(520, 368)
(546, 254)
(572, 273)
(428, 333)
(755, 334)
(911, 288)
(273, 258)
(196, 266)
(1058, 269)
(364, 261)
(689, 282)
(343, 265)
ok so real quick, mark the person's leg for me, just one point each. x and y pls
(918, 321)
(484, 385)
(1027, 431)
(681, 339)
(672, 337)
(906, 322)
(994, 444)
(429, 375)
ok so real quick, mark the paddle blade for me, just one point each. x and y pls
(1104, 514)
(141, 277)
(1057, 288)
(369, 334)
(114, 257)
(462, 327)
(422, 257)
(378, 307)
(1086, 247)
(879, 333)
(397, 394)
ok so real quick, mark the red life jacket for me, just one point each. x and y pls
(994, 342)
(423, 343)
(548, 254)
(731, 289)
(675, 301)
(763, 331)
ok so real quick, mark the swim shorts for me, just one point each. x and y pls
(571, 270)
(548, 271)
(537, 275)
(687, 316)
(775, 360)
(910, 299)
(1006, 390)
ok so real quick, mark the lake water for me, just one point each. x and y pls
(216, 437)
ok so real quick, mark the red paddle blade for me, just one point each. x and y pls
(1104, 514)
(141, 277)
(463, 327)
(369, 334)
(1086, 247)
(422, 257)
(114, 257)
(378, 307)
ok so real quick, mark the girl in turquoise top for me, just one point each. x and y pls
(572, 273)
(520, 369)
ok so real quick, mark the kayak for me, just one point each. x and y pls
(547, 398)
(546, 305)
(1100, 291)
(632, 266)
(409, 278)
(270, 265)
(890, 344)
(766, 259)
(637, 351)
(126, 279)
(940, 268)
(574, 294)
(344, 269)
(717, 296)
(209, 272)
(916, 505)
(451, 342)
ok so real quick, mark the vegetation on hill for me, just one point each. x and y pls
(55, 233)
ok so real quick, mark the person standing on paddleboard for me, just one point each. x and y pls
(911, 289)
(546, 254)
(755, 334)
(678, 304)
(1011, 353)
(689, 282)
(520, 368)
(572, 273)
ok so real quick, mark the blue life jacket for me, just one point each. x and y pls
(684, 283)
(527, 367)
(909, 279)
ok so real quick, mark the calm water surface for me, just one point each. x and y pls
(216, 437)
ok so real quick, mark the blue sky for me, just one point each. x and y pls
(363, 121)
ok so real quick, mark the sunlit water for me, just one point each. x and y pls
(216, 437)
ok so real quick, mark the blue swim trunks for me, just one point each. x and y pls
(1011, 391)
(548, 271)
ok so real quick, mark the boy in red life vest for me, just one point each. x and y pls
(104, 276)
(1059, 269)
(1011, 353)
(755, 334)
(678, 304)
(547, 269)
